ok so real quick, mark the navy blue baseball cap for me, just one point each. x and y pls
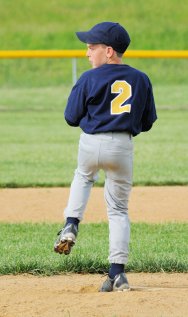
(108, 33)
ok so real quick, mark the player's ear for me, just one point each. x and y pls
(109, 51)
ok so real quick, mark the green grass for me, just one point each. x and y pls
(28, 248)
(162, 155)
(36, 73)
(52, 25)
(43, 24)
(54, 99)
(39, 149)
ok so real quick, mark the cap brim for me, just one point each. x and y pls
(82, 36)
(86, 37)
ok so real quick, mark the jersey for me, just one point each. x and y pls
(112, 98)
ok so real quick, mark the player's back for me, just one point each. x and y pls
(112, 97)
(116, 98)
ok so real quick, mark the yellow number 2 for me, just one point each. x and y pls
(124, 91)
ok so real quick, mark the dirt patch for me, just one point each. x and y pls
(74, 295)
(147, 204)
(158, 295)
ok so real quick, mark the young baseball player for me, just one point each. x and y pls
(112, 103)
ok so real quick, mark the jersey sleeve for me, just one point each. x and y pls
(75, 109)
(149, 115)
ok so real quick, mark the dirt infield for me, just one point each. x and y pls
(74, 295)
(157, 295)
(147, 204)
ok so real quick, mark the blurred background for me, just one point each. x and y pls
(37, 148)
(32, 24)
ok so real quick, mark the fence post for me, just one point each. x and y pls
(74, 71)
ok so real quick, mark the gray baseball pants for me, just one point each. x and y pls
(113, 153)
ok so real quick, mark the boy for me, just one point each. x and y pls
(111, 103)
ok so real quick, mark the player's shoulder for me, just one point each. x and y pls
(108, 71)
(140, 76)
(91, 75)
(85, 77)
(108, 68)
(137, 72)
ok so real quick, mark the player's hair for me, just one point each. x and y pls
(119, 54)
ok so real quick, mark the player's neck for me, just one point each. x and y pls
(115, 60)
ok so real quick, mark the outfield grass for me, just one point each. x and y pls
(37, 73)
(52, 25)
(28, 248)
(39, 149)
(42, 24)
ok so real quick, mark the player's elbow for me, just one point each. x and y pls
(146, 127)
(72, 124)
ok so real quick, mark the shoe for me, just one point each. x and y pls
(119, 283)
(66, 239)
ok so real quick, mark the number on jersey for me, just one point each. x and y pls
(124, 91)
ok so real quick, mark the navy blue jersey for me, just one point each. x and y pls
(112, 97)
